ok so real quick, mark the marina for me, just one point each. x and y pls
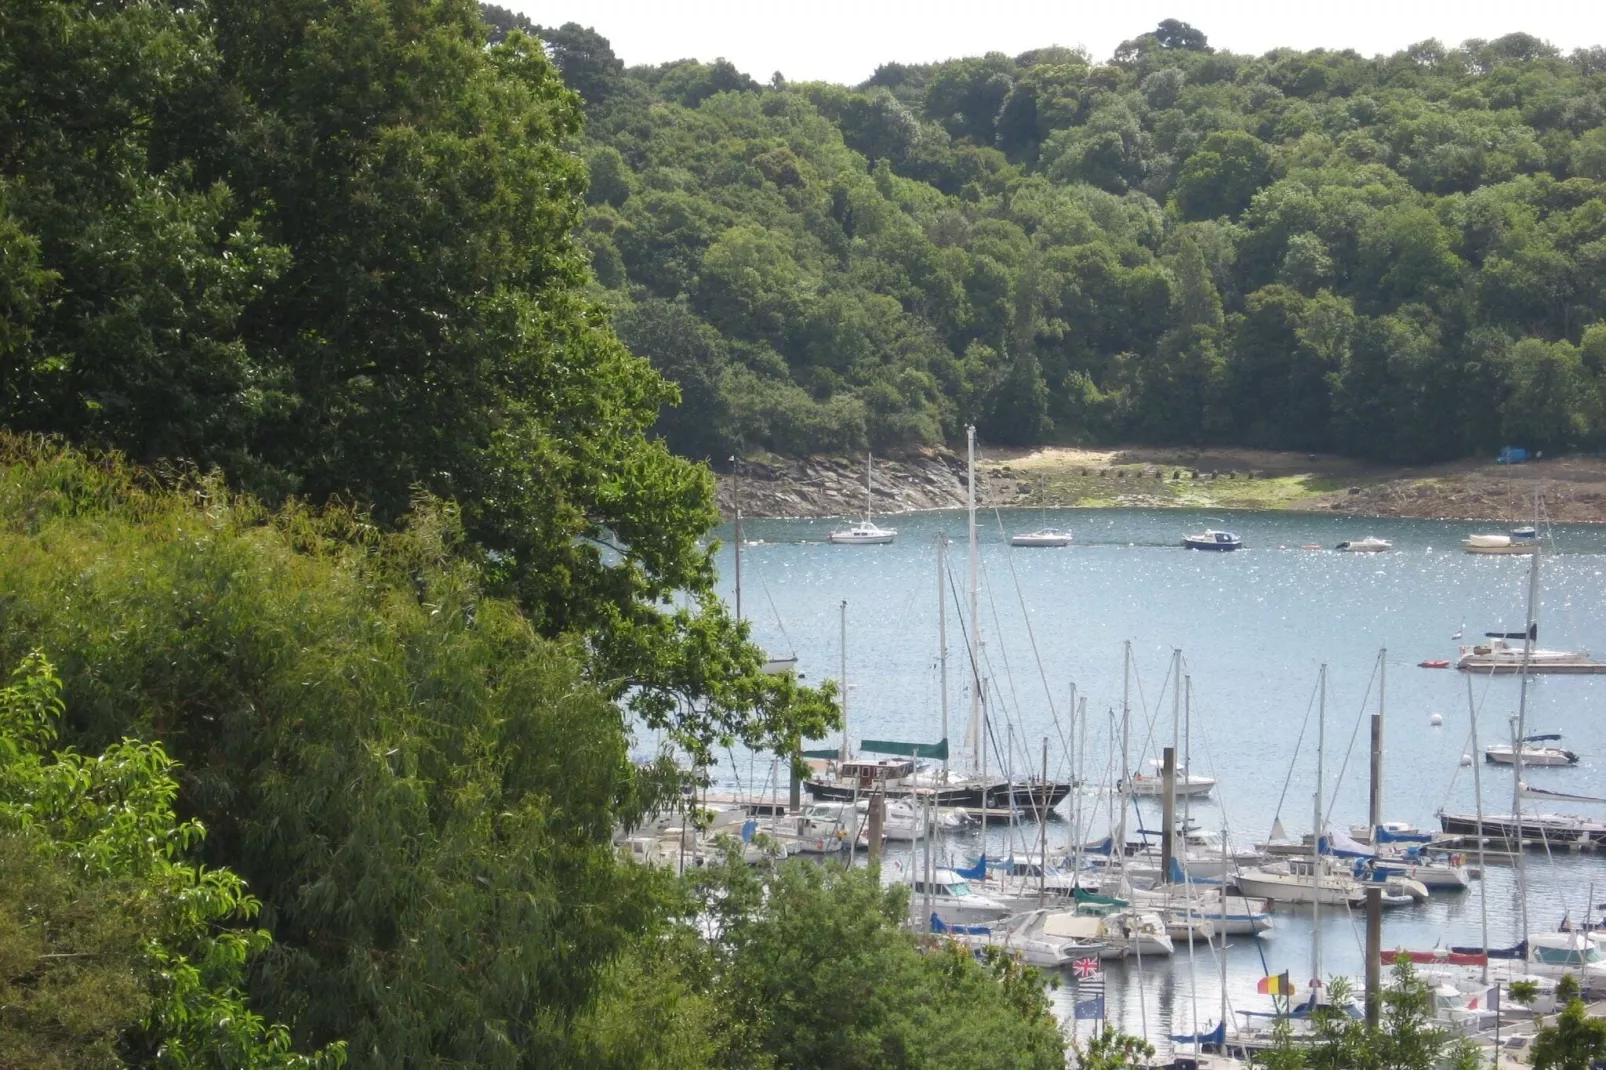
(1052, 639)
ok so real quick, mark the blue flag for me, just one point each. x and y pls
(1090, 1008)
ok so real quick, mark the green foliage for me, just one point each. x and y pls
(813, 966)
(1111, 1049)
(1575, 1041)
(1307, 249)
(420, 788)
(1405, 1037)
(115, 946)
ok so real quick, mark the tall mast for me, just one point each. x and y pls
(1316, 840)
(973, 738)
(842, 673)
(1126, 726)
(1477, 791)
(868, 463)
(1528, 634)
(942, 641)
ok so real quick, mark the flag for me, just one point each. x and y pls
(1090, 1008)
(1086, 968)
(1279, 985)
(1490, 999)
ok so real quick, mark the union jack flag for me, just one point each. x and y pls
(1085, 967)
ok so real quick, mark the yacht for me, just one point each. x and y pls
(1153, 784)
(1521, 540)
(1506, 753)
(1369, 545)
(1030, 937)
(1502, 656)
(950, 897)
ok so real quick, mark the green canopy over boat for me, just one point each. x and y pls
(907, 750)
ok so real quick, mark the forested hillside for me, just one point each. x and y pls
(1401, 256)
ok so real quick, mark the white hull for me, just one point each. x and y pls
(1154, 786)
(861, 538)
(1546, 756)
(1291, 888)
(1042, 538)
(1365, 546)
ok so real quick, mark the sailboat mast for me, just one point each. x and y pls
(1126, 728)
(942, 642)
(973, 738)
(1477, 791)
(842, 673)
(868, 463)
(1316, 840)
(1522, 723)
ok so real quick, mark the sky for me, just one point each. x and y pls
(845, 40)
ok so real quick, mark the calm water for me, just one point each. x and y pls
(1253, 626)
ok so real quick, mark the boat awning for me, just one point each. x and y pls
(823, 752)
(908, 750)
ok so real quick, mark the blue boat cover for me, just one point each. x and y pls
(940, 926)
(1217, 1036)
(978, 872)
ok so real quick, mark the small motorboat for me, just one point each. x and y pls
(1519, 541)
(1369, 545)
(1434, 663)
(1504, 753)
(1212, 540)
(864, 533)
(1045, 537)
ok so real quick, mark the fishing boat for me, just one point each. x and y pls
(1212, 540)
(1506, 753)
(1043, 537)
(865, 532)
(1369, 545)
(1521, 540)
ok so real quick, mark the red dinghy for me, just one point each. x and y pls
(1439, 664)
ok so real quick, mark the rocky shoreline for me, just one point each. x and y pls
(1573, 488)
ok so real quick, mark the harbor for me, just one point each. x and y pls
(1253, 627)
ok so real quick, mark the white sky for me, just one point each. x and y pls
(845, 40)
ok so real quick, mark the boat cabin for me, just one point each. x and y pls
(877, 773)
(947, 885)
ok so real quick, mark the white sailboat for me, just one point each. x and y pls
(865, 532)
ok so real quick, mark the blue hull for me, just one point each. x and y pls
(1223, 547)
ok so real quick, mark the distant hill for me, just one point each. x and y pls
(1399, 257)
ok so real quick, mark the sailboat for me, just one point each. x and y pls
(865, 532)
(773, 665)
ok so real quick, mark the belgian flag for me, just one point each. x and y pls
(1279, 985)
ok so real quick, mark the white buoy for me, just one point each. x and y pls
(1466, 760)
(1436, 720)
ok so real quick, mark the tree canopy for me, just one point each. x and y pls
(1393, 256)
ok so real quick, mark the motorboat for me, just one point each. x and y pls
(950, 897)
(1045, 537)
(1212, 540)
(1502, 656)
(1521, 540)
(1124, 932)
(1532, 754)
(865, 532)
(1369, 545)
(1295, 881)
(1153, 784)
(1028, 938)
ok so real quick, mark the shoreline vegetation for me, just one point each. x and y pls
(1060, 477)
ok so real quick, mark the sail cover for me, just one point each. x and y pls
(1531, 634)
(938, 749)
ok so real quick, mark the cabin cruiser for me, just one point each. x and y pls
(1127, 932)
(1531, 752)
(1044, 537)
(1369, 545)
(1153, 784)
(862, 533)
(1500, 655)
(1229, 915)
(950, 897)
(1212, 540)
(1293, 881)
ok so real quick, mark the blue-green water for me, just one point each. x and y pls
(1253, 626)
